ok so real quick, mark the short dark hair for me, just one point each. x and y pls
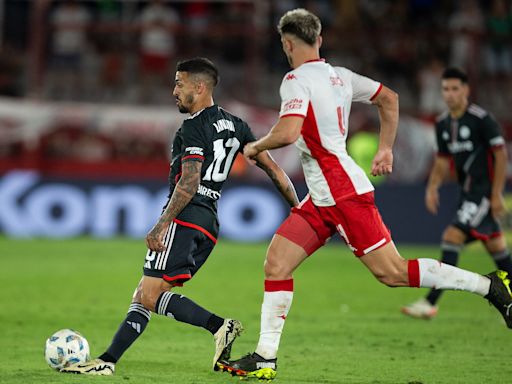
(301, 23)
(200, 65)
(455, 73)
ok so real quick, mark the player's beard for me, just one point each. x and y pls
(184, 106)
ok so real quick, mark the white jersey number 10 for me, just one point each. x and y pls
(217, 172)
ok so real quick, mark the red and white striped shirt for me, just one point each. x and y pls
(323, 95)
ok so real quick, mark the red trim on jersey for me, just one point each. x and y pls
(376, 92)
(294, 114)
(195, 226)
(413, 269)
(177, 178)
(337, 179)
(279, 285)
(196, 157)
(497, 146)
(313, 60)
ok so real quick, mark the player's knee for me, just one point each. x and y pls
(149, 299)
(454, 235)
(276, 268)
(388, 280)
(393, 277)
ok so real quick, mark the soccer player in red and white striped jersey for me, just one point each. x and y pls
(316, 101)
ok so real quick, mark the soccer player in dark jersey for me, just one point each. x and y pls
(471, 137)
(203, 152)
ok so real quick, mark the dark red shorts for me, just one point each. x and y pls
(356, 219)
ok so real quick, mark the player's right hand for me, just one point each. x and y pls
(155, 237)
(432, 200)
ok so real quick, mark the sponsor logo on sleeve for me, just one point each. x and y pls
(290, 76)
(292, 104)
(194, 151)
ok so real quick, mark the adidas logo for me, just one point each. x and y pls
(134, 325)
(266, 365)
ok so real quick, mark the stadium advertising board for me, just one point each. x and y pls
(35, 206)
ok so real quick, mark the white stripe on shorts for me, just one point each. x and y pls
(168, 246)
(376, 245)
(158, 264)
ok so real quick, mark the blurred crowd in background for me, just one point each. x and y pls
(124, 52)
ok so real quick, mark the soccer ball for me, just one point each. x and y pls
(66, 347)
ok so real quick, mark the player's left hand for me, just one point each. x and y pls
(382, 162)
(498, 207)
(155, 237)
(250, 151)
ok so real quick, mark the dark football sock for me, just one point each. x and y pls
(450, 255)
(185, 310)
(130, 329)
(503, 260)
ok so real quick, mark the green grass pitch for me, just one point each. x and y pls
(344, 327)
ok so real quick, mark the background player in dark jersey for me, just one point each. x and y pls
(180, 242)
(467, 134)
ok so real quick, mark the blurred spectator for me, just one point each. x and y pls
(198, 17)
(498, 51)
(430, 104)
(90, 147)
(157, 48)
(75, 143)
(110, 46)
(11, 71)
(69, 22)
(467, 27)
(124, 51)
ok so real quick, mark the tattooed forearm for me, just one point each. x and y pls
(282, 182)
(184, 191)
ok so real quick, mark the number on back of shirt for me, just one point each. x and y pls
(221, 164)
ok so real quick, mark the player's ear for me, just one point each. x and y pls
(287, 44)
(319, 41)
(200, 87)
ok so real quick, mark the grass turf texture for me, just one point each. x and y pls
(344, 327)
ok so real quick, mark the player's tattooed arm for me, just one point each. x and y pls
(278, 177)
(184, 191)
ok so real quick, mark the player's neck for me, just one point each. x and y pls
(304, 56)
(201, 104)
(459, 111)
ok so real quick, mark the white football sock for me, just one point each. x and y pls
(434, 274)
(277, 301)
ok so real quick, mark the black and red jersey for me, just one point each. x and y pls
(469, 140)
(214, 137)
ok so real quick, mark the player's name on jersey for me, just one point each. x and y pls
(205, 191)
(223, 124)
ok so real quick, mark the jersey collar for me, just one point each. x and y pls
(315, 61)
(199, 112)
